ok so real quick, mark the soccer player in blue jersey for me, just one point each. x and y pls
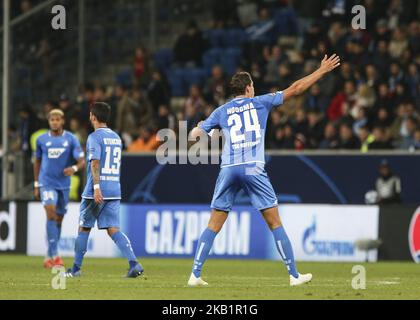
(102, 194)
(58, 155)
(243, 122)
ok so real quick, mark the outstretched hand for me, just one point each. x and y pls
(329, 64)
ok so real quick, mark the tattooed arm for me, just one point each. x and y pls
(95, 167)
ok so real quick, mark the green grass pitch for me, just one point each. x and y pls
(24, 278)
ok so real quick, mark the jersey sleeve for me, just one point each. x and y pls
(212, 122)
(77, 149)
(93, 149)
(38, 149)
(271, 100)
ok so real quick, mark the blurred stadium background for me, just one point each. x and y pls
(158, 62)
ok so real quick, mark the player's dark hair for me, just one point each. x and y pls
(239, 83)
(102, 111)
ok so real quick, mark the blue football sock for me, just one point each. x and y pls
(124, 245)
(203, 249)
(285, 249)
(58, 235)
(80, 249)
(52, 235)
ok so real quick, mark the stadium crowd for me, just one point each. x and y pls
(372, 102)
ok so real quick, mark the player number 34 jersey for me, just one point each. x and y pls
(106, 146)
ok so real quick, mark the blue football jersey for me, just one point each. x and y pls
(243, 122)
(57, 153)
(106, 146)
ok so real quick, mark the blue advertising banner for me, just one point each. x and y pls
(296, 179)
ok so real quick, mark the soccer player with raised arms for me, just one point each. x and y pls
(58, 155)
(102, 194)
(243, 122)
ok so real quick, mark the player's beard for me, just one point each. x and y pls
(57, 131)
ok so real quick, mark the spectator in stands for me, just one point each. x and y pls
(315, 99)
(415, 145)
(86, 99)
(45, 57)
(215, 89)
(158, 91)
(312, 37)
(316, 125)
(283, 78)
(413, 79)
(140, 66)
(65, 105)
(43, 113)
(146, 141)
(382, 118)
(343, 102)
(144, 109)
(385, 98)
(247, 12)
(14, 140)
(277, 140)
(166, 119)
(381, 140)
(195, 100)
(257, 77)
(100, 94)
(348, 140)
(289, 137)
(192, 115)
(414, 37)
(388, 185)
(396, 76)
(371, 76)
(262, 30)
(190, 46)
(27, 126)
(225, 12)
(381, 57)
(366, 138)
(127, 115)
(300, 122)
(330, 140)
(300, 142)
(398, 43)
(272, 61)
(409, 127)
(360, 120)
(365, 99)
(76, 128)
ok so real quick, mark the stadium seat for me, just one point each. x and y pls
(215, 37)
(174, 76)
(163, 59)
(212, 57)
(124, 77)
(234, 37)
(193, 76)
(286, 22)
(230, 60)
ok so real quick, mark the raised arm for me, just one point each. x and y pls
(300, 86)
